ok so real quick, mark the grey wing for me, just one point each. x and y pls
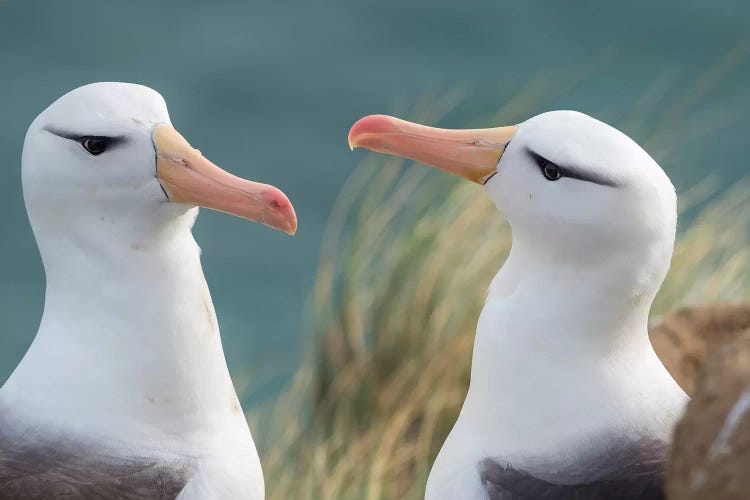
(33, 469)
(628, 472)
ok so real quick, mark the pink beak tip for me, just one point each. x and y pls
(370, 124)
(281, 205)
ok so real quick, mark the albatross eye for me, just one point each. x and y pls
(95, 145)
(551, 171)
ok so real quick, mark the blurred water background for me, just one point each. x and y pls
(268, 89)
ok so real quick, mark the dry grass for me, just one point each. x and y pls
(407, 260)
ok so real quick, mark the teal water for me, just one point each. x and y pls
(268, 89)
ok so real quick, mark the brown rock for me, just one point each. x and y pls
(711, 452)
(685, 338)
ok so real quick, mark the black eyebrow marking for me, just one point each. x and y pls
(572, 172)
(72, 136)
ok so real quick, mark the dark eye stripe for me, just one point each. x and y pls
(572, 172)
(72, 136)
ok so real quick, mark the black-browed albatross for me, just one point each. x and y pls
(124, 392)
(567, 398)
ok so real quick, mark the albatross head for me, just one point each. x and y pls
(574, 190)
(106, 155)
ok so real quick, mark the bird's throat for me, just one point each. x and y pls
(134, 344)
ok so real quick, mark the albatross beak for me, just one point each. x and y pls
(472, 154)
(188, 177)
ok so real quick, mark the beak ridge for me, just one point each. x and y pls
(471, 153)
(189, 177)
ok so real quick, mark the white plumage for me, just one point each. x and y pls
(126, 379)
(567, 397)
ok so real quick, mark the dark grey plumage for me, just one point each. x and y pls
(629, 471)
(35, 466)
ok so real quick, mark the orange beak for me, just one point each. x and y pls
(188, 177)
(472, 154)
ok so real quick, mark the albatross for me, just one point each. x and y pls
(125, 392)
(567, 398)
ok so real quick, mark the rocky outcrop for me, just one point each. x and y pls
(711, 450)
(685, 338)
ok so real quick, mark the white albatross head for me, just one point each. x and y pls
(106, 154)
(128, 351)
(574, 190)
